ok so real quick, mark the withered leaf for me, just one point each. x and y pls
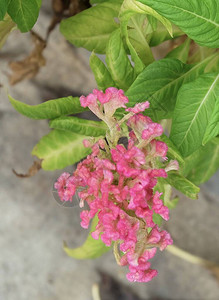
(214, 270)
(32, 170)
(29, 66)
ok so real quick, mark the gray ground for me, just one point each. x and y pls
(33, 264)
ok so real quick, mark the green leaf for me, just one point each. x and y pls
(201, 165)
(182, 184)
(213, 125)
(80, 126)
(91, 248)
(131, 7)
(50, 109)
(200, 21)
(6, 26)
(213, 66)
(194, 107)
(60, 149)
(173, 203)
(128, 9)
(161, 34)
(153, 22)
(101, 73)
(3, 9)
(159, 84)
(24, 13)
(138, 27)
(118, 62)
(92, 27)
(181, 52)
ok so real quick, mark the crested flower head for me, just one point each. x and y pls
(117, 181)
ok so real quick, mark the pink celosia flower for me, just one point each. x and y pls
(105, 104)
(117, 182)
(144, 126)
(112, 99)
(91, 102)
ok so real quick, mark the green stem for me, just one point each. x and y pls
(190, 257)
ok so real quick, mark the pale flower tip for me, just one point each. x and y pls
(81, 203)
(172, 166)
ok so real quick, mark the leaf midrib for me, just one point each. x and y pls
(100, 125)
(194, 14)
(189, 12)
(106, 35)
(21, 8)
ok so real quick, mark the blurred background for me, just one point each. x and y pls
(33, 225)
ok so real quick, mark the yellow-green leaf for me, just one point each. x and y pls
(92, 27)
(50, 109)
(118, 62)
(182, 184)
(80, 126)
(6, 26)
(60, 149)
(101, 73)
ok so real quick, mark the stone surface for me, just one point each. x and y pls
(33, 264)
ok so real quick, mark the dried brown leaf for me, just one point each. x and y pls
(32, 170)
(214, 270)
(29, 66)
(177, 42)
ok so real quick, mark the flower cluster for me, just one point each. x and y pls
(117, 182)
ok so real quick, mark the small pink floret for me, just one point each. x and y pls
(139, 107)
